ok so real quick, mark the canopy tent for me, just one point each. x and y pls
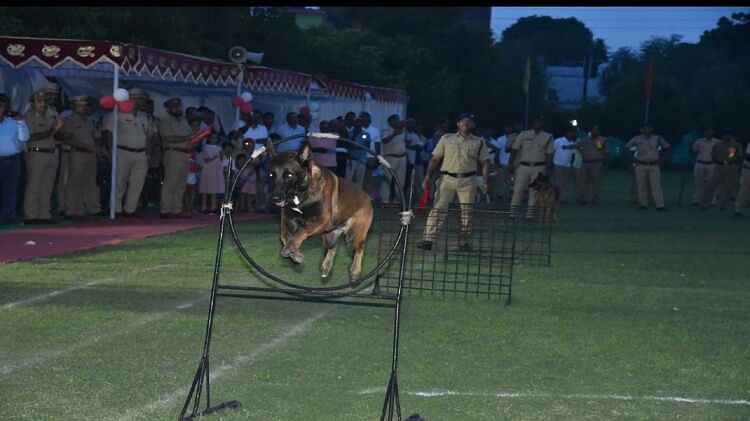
(96, 68)
(85, 67)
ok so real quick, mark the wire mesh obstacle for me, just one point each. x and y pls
(488, 267)
(470, 256)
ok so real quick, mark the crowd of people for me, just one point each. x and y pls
(53, 155)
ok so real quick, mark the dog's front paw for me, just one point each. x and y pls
(297, 256)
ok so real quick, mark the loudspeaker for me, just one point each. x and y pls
(238, 55)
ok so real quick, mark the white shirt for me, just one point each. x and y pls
(259, 132)
(374, 138)
(562, 157)
(504, 156)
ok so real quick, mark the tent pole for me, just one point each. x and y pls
(241, 79)
(113, 178)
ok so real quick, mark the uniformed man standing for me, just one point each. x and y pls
(175, 132)
(132, 161)
(459, 154)
(41, 160)
(534, 151)
(593, 150)
(647, 165)
(52, 96)
(80, 135)
(743, 195)
(704, 164)
(394, 151)
(727, 155)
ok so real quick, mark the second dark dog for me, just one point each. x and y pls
(313, 200)
(547, 198)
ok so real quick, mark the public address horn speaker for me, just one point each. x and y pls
(240, 55)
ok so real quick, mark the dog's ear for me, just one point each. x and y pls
(270, 148)
(305, 153)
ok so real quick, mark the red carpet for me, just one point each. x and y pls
(54, 240)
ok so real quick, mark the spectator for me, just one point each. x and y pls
(324, 149)
(155, 174)
(593, 151)
(501, 164)
(727, 155)
(534, 148)
(247, 182)
(394, 151)
(355, 171)
(288, 129)
(744, 193)
(338, 126)
(414, 146)
(704, 163)
(212, 178)
(188, 198)
(562, 160)
(175, 133)
(647, 163)
(13, 135)
(268, 119)
(305, 120)
(41, 160)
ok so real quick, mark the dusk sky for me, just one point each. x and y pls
(625, 26)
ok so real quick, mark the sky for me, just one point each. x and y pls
(625, 26)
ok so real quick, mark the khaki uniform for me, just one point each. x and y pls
(704, 166)
(132, 161)
(533, 149)
(395, 153)
(176, 162)
(647, 171)
(743, 196)
(82, 193)
(727, 156)
(41, 167)
(458, 178)
(593, 154)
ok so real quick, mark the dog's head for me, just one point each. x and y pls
(539, 182)
(289, 175)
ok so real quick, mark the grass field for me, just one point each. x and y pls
(642, 315)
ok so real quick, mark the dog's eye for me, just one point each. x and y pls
(289, 175)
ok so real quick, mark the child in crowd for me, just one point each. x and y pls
(212, 176)
(247, 180)
(188, 198)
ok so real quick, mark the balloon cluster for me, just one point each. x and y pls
(119, 98)
(311, 110)
(243, 102)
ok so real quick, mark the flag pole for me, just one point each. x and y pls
(648, 85)
(115, 138)
(526, 81)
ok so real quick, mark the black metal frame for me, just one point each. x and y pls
(341, 294)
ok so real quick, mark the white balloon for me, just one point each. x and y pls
(247, 96)
(314, 106)
(314, 115)
(121, 95)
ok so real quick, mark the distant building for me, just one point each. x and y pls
(306, 18)
(566, 85)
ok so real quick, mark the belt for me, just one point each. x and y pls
(45, 150)
(396, 155)
(73, 148)
(704, 162)
(176, 149)
(454, 175)
(532, 164)
(323, 150)
(129, 149)
(592, 161)
(647, 163)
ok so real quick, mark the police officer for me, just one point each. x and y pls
(647, 163)
(593, 150)
(727, 155)
(704, 164)
(52, 96)
(534, 150)
(41, 160)
(175, 132)
(81, 136)
(743, 195)
(394, 151)
(132, 161)
(457, 155)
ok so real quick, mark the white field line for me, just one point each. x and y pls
(181, 393)
(676, 399)
(48, 355)
(77, 287)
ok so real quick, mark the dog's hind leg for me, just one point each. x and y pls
(329, 243)
(355, 238)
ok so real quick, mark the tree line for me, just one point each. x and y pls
(446, 65)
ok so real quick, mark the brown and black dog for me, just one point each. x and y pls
(313, 200)
(547, 197)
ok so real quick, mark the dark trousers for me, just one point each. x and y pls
(10, 173)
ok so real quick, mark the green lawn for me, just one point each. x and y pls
(642, 315)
